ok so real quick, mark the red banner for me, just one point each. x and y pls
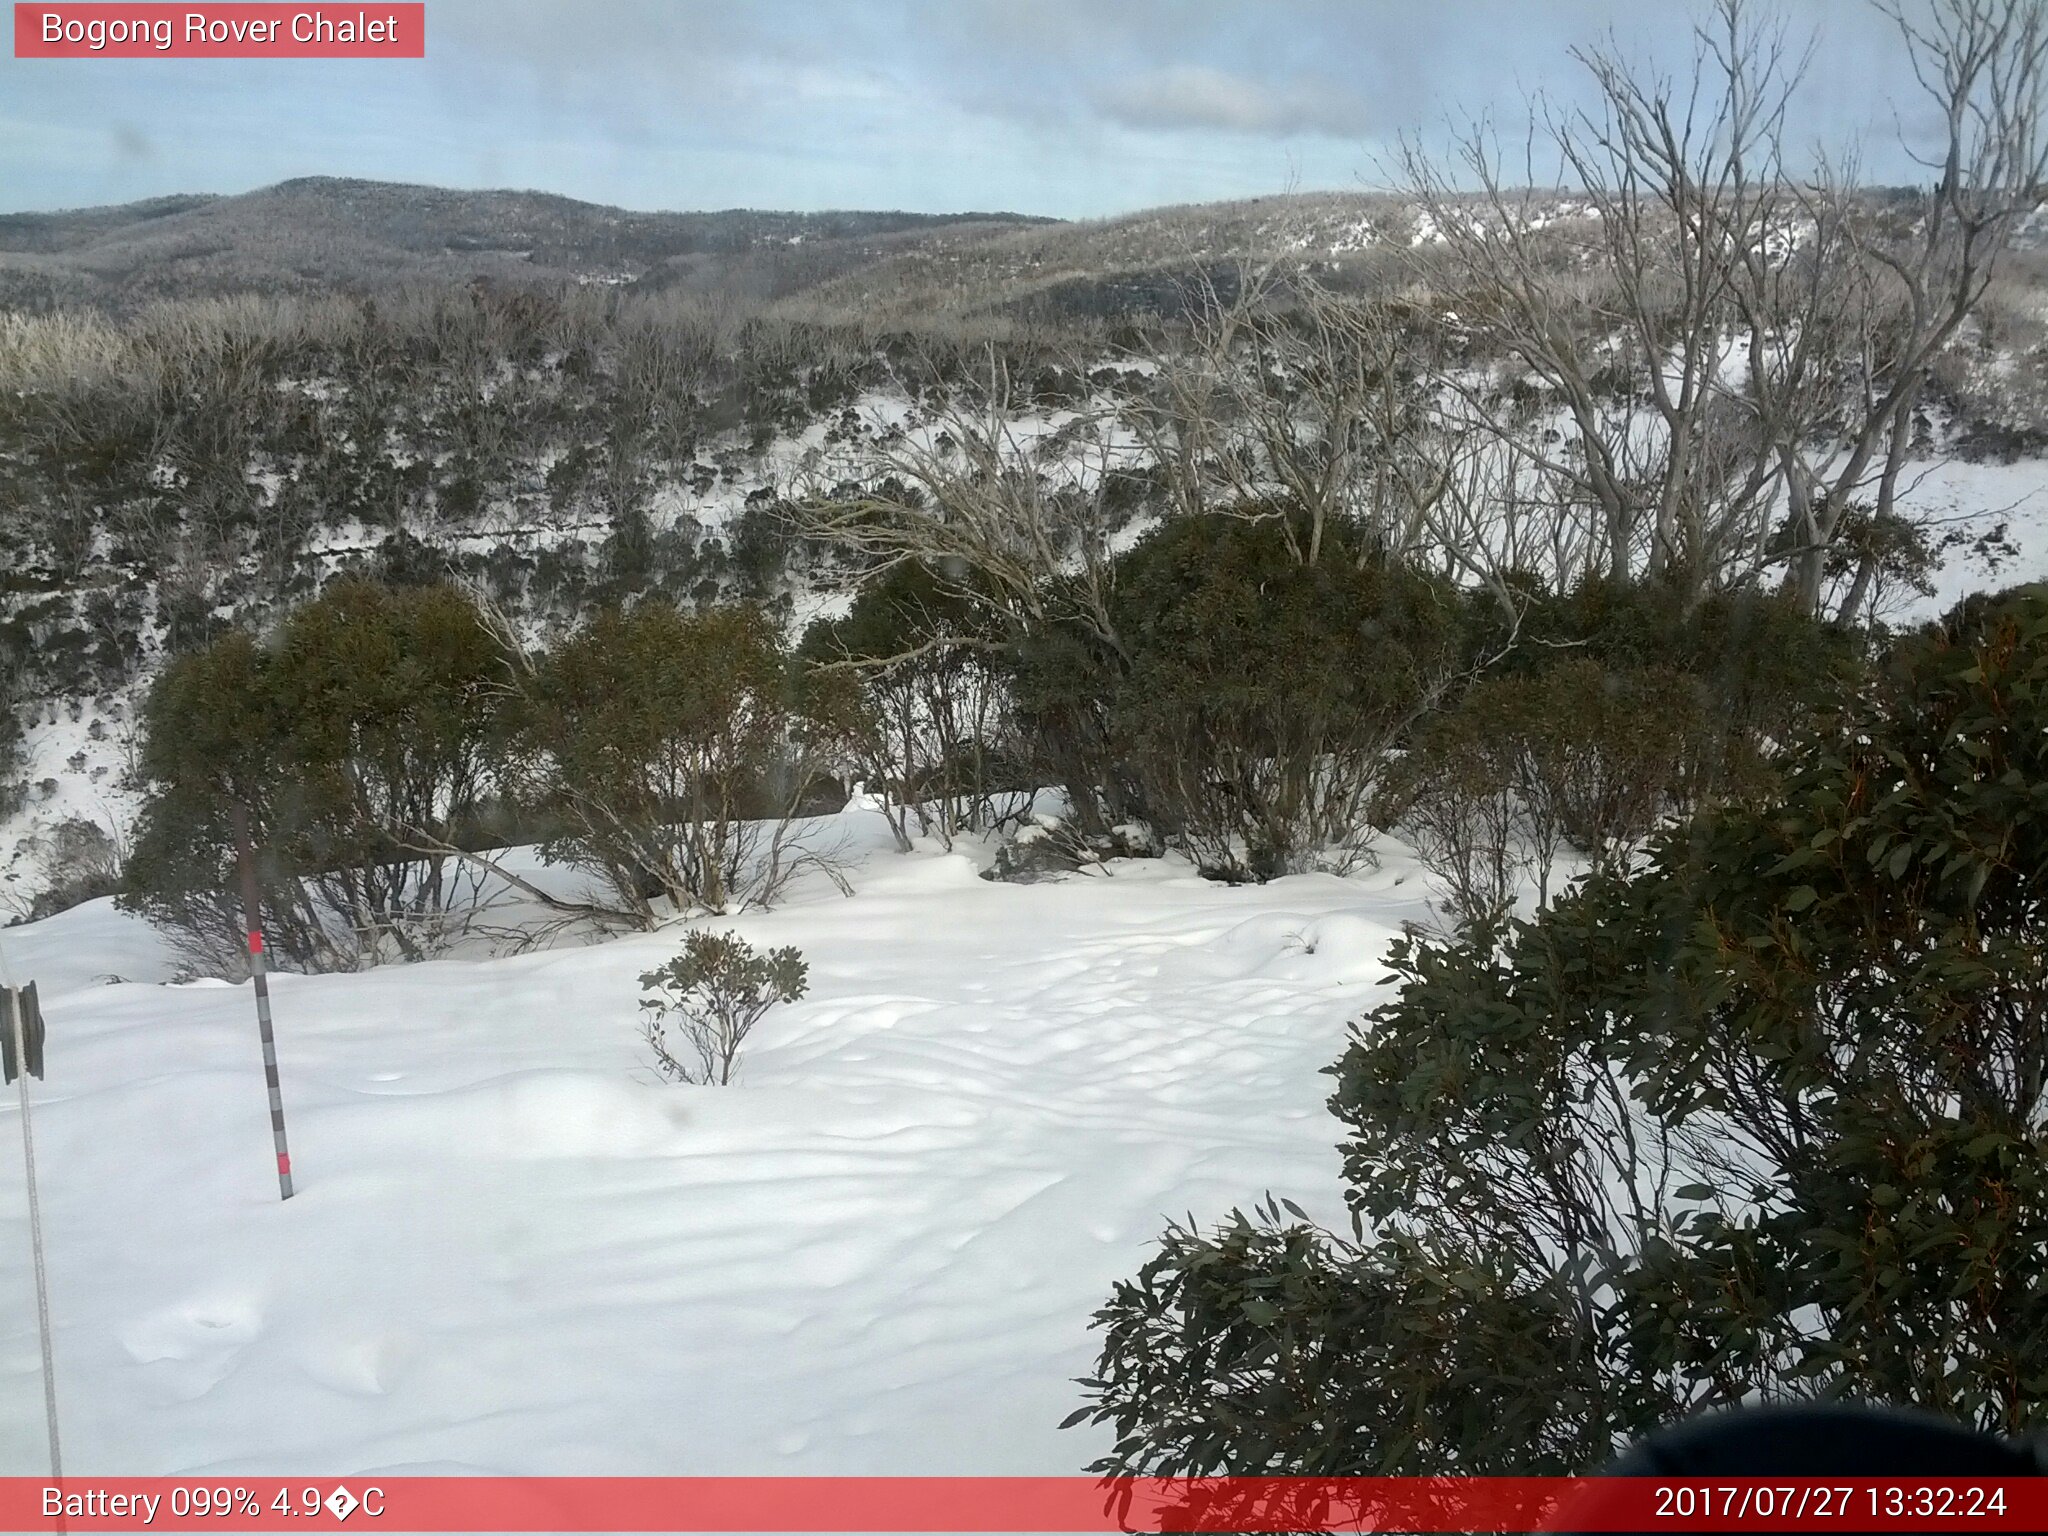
(102, 31)
(1018, 1504)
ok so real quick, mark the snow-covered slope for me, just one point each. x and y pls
(1973, 501)
(515, 1249)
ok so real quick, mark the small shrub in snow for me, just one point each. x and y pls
(1048, 845)
(713, 994)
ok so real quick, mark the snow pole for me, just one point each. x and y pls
(252, 920)
(24, 1056)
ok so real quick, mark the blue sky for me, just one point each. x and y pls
(1075, 108)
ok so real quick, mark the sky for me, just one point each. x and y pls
(1069, 108)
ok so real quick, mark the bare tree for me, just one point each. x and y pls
(1730, 356)
(991, 487)
(1857, 327)
(1012, 507)
(1286, 395)
(1617, 294)
(1278, 393)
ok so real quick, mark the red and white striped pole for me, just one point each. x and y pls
(252, 920)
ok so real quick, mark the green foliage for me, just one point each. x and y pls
(1765, 1118)
(715, 992)
(762, 544)
(212, 736)
(360, 739)
(1604, 713)
(626, 557)
(391, 699)
(1268, 1347)
(1064, 678)
(567, 476)
(664, 741)
(1526, 764)
(920, 662)
(1759, 657)
(1262, 690)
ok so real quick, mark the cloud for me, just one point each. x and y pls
(1200, 96)
(1057, 106)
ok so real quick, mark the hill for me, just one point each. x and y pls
(324, 233)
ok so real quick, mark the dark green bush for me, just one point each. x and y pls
(1260, 693)
(1761, 659)
(364, 736)
(674, 747)
(932, 730)
(1526, 765)
(1766, 1118)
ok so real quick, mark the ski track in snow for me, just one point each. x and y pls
(514, 1249)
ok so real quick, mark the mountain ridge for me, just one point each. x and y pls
(327, 233)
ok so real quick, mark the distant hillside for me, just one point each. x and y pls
(1137, 262)
(325, 233)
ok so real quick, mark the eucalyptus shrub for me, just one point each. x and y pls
(1251, 699)
(672, 750)
(932, 727)
(712, 995)
(1528, 765)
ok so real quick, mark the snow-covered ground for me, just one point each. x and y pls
(514, 1249)
(1974, 500)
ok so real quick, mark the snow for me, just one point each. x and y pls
(58, 791)
(514, 1249)
(1974, 499)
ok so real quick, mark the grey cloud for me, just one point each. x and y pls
(1201, 96)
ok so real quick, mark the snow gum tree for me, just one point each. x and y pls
(1731, 344)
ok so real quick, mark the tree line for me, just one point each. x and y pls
(1259, 712)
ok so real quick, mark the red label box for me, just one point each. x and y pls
(371, 30)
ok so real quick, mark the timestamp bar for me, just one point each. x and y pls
(1021, 1504)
